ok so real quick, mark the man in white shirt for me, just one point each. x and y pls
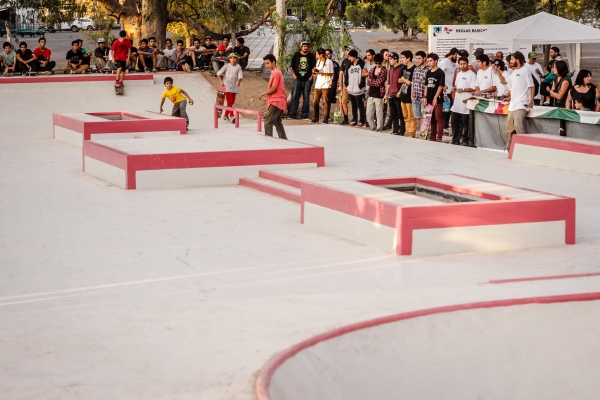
(370, 62)
(197, 53)
(169, 55)
(448, 65)
(479, 51)
(501, 89)
(485, 75)
(323, 74)
(521, 94)
(536, 70)
(465, 84)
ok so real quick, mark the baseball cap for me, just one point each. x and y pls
(394, 55)
(348, 48)
(233, 55)
(463, 53)
(221, 47)
(478, 51)
(499, 63)
(533, 54)
(101, 40)
(305, 43)
(207, 37)
(353, 53)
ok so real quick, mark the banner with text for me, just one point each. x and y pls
(441, 38)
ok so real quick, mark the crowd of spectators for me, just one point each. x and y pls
(147, 57)
(391, 91)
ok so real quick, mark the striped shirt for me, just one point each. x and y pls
(418, 82)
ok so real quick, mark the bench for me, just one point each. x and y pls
(236, 114)
(579, 155)
(31, 30)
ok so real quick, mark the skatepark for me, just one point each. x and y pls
(178, 289)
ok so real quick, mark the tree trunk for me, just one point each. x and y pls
(155, 20)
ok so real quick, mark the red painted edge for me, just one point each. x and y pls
(73, 79)
(544, 278)
(270, 190)
(557, 143)
(263, 381)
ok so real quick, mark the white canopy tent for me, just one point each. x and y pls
(542, 28)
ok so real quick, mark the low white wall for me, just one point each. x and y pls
(538, 351)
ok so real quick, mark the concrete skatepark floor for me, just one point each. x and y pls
(187, 293)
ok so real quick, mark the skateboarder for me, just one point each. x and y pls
(178, 97)
(121, 49)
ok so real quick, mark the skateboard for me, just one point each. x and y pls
(425, 122)
(31, 73)
(119, 90)
(220, 99)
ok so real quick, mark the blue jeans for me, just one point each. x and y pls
(170, 64)
(300, 88)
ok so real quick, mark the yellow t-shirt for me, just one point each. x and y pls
(174, 95)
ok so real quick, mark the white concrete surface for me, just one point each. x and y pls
(563, 159)
(547, 351)
(68, 136)
(186, 293)
(106, 172)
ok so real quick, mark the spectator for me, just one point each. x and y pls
(102, 54)
(160, 55)
(562, 84)
(227, 44)
(355, 77)
(485, 82)
(465, 84)
(546, 84)
(584, 92)
(181, 58)
(169, 55)
(478, 51)
(211, 50)
(418, 85)
(535, 69)
(231, 76)
(370, 63)
(243, 52)
(301, 67)
(376, 85)
(8, 60)
(323, 73)
(386, 112)
(220, 58)
(334, 81)
(342, 88)
(435, 82)
(25, 60)
(521, 94)
(499, 56)
(146, 57)
(392, 95)
(501, 89)
(276, 98)
(133, 58)
(87, 55)
(42, 58)
(406, 93)
(448, 65)
(197, 55)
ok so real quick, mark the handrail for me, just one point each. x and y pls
(236, 115)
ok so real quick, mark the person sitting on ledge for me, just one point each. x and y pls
(74, 57)
(25, 60)
(8, 64)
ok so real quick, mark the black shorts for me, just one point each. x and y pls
(121, 64)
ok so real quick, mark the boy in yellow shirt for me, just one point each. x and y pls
(178, 97)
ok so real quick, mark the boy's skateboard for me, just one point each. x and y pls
(220, 99)
(30, 73)
(425, 122)
(119, 89)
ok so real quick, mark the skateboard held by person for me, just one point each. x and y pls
(425, 122)
(220, 98)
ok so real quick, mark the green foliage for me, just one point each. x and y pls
(368, 13)
(491, 12)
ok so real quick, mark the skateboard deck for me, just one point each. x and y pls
(425, 122)
(119, 90)
(220, 99)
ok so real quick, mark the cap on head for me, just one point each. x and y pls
(349, 48)
(207, 37)
(532, 54)
(221, 47)
(101, 40)
(478, 51)
(394, 55)
(233, 55)
(304, 43)
(353, 53)
(463, 53)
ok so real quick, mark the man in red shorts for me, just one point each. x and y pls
(121, 49)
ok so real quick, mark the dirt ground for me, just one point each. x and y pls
(400, 44)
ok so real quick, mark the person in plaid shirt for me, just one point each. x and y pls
(418, 85)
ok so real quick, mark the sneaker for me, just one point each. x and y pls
(186, 67)
(353, 123)
(373, 129)
(367, 126)
(546, 103)
(313, 121)
(146, 70)
(45, 73)
(226, 118)
(72, 72)
(360, 125)
(196, 68)
(325, 122)
(232, 120)
(378, 130)
(154, 70)
(306, 118)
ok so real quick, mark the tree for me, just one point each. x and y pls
(491, 12)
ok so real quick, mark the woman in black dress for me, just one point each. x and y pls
(584, 92)
(562, 84)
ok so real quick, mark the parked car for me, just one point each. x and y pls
(75, 26)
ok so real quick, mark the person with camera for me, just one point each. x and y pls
(323, 76)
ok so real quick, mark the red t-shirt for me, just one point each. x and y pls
(46, 53)
(277, 99)
(121, 49)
